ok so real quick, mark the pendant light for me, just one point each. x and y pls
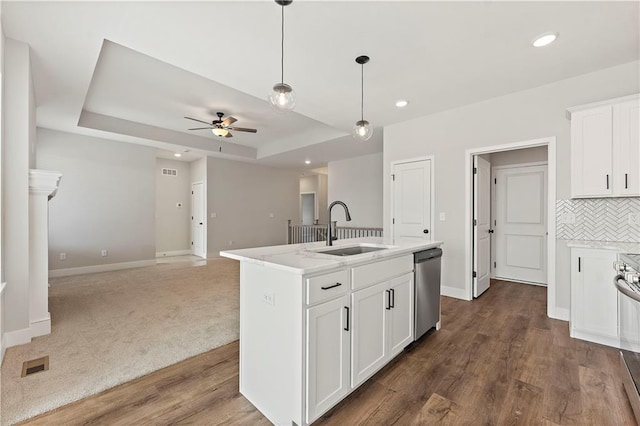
(282, 97)
(363, 130)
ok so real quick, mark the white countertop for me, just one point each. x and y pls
(304, 258)
(617, 246)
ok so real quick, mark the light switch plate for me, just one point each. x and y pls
(268, 298)
(443, 216)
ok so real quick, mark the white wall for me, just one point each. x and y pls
(526, 115)
(173, 232)
(106, 200)
(18, 131)
(518, 156)
(358, 183)
(243, 196)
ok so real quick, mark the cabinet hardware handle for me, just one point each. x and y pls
(626, 183)
(347, 327)
(579, 265)
(331, 286)
(388, 299)
(607, 181)
(393, 298)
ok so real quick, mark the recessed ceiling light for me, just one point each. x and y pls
(307, 162)
(177, 154)
(544, 39)
(402, 103)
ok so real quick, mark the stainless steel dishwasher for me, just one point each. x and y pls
(427, 290)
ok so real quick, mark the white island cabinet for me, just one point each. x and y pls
(315, 326)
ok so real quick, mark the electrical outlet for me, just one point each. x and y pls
(269, 298)
(443, 216)
(230, 242)
(63, 256)
(634, 219)
(272, 215)
(104, 253)
(214, 215)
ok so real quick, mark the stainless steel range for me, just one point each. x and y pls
(627, 281)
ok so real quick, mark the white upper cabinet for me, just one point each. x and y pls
(605, 149)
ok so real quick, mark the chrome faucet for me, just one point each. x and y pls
(346, 213)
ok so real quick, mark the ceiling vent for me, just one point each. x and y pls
(169, 172)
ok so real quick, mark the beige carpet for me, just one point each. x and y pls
(109, 328)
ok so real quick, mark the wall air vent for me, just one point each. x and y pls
(169, 172)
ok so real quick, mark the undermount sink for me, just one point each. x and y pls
(352, 250)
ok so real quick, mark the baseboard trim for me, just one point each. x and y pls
(614, 342)
(560, 314)
(55, 273)
(41, 327)
(3, 340)
(173, 253)
(458, 293)
(18, 337)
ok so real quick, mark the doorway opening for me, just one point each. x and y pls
(308, 208)
(536, 255)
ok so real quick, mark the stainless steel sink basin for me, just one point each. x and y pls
(350, 251)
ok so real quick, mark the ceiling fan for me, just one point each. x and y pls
(221, 127)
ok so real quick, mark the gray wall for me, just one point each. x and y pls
(243, 196)
(106, 199)
(173, 223)
(526, 115)
(518, 156)
(19, 131)
(358, 182)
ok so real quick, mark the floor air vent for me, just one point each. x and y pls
(35, 366)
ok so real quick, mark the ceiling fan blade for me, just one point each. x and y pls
(201, 128)
(229, 135)
(200, 121)
(243, 129)
(229, 120)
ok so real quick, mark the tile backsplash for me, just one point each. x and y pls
(598, 219)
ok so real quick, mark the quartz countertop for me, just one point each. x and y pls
(305, 259)
(618, 246)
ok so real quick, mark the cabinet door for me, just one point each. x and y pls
(594, 298)
(591, 152)
(368, 338)
(400, 323)
(626, 148)
(328, 354)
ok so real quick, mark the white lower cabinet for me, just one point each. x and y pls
(382, 325)
(594, 298)
(328, 355)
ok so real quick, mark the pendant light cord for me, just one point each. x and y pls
(362, 92)
(282, 48)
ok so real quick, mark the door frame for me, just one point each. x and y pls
(432, 190)
(204, 216)
(494, 207)
(550, 143)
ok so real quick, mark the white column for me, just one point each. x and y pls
(42, 187)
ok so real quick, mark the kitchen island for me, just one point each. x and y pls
(316, 325)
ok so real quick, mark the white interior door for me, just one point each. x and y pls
(197, 220)
(482, 225)
(308, 206)
(411, 189)
(521, 224)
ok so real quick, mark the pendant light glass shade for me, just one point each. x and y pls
(282, 97)
(362, 130)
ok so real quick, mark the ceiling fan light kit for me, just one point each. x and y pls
(220, 127)
(282, 97)
(362, 130)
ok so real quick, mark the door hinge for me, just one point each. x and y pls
(495, 222)
(494, 264)
(393, 221)
(393, 177)
(474, 274)
(475, 170)
(495, 181)
(475, 222)
(191, 192)
(191, 217)
(191, 242)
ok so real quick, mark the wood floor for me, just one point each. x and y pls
(497, 360)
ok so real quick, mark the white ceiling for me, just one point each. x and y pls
(130, 71)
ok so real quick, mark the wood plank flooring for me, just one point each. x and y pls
(497, 360)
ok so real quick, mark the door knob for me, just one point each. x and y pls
(200, 223)
(425, 231)
(491, 231)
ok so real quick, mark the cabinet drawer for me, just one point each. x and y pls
(327, 286)
(366, 275)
